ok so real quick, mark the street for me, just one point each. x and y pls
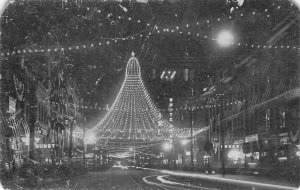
(115, 178)
(119, 178)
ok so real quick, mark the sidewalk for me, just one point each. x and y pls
(22, 183)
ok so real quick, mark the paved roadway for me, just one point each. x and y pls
(115, 179)
(140, 179)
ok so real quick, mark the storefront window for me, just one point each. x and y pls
(252, 159)
(282, 118)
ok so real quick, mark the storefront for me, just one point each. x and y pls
(251, 151)
(234, 153)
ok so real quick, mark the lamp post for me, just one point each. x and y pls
(184, 143)
(223, 150)
(132, 149)
(225, 39)
(134, 153)
(173, 152)
(71, 139)
(192, 143)
(83, 152)
(91, 139)
(192, 123)
(94, 157)
(167, 146)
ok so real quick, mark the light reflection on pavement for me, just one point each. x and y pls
(143, 179)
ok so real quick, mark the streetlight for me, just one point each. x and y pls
(192, 123)
(297, 3)
(225, 38)
(91, 139)
(184, 142)
(132, 150)
(167, 146)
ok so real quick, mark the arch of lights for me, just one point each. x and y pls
(133, 115)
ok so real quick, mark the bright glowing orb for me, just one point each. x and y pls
(167, 146)
(297, 3)
(235, 154)
(91, 139)
(225, 38)
(184, 142)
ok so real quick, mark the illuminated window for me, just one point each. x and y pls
(282, 118)
(268, 124)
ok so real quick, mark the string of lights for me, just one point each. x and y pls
(118, 17)
(186, 132)
(232, 17)
(278, 6)
(104, 42)
(160, 30)
(146, 142)
(218, 20)
(145, 110)
(110, 15)
(266, 13)
(140, 34)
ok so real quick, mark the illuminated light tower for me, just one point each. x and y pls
(133, 115)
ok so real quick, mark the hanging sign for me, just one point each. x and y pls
(251, 138)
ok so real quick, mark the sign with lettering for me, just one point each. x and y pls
(251, 138)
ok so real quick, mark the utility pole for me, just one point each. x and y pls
(71, 124)
(83, 152)
(192, 123)
(31, 108)
(134, 153)
(49, 104)
(223, 149)
(192, 144)
(71, 139)
(173, 147)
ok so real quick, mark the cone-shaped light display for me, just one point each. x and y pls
(133, 115)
